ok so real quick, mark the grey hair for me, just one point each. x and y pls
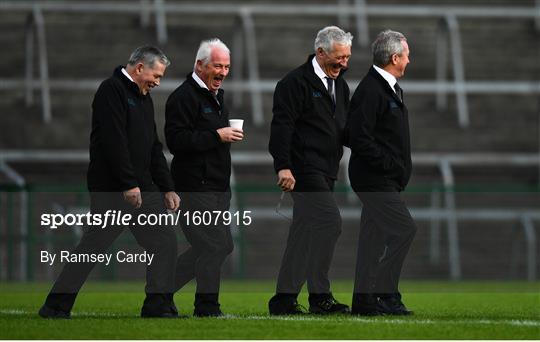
(205, 50)
(148, 55)
(386, 44)
(330, 35)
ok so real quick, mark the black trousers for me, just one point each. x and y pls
(210, 244)
(386, 233)
(313, 233)
(157, 240)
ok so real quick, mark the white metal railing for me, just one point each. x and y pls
(434, 214)
(245, 41)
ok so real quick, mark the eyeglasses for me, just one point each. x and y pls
(278, 207)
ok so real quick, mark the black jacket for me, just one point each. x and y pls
(201, 161)
(378, 130)
(306, 132)
(125, 151)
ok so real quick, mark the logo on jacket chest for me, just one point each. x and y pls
(393, 104)
(131, 102)
(317, 94)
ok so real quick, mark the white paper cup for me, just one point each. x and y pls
(236, 123)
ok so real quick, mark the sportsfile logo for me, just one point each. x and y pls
(118, 218)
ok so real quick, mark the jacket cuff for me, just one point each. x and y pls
(166, 186)
(216, 134)
(129, 185)
(278, 166)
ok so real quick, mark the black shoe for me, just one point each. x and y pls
(208, 311)
(159, 306)
(48, 312)
(327, 306)
(366, 304)
(285, 305)
(392, 305)
(207, 305)
(164, 312)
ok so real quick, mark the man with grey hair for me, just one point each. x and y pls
(379, 169)
(199, 137)
(306, 142)
(127, 174)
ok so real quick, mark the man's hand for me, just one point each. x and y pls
(172, 201)
(286, 180)
(229, 134)
(133, 197)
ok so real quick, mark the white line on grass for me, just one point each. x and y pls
(14, 312)
(385, 320)
(334, 319)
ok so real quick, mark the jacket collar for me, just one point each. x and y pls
(132, 86)
(312, 77)
(391, 79)
(384, 84)
(204, 91)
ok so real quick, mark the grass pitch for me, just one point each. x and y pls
(443, 310)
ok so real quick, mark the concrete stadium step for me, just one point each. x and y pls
(90, 45)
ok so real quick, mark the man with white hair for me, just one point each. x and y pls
(310, 108)
(379, 169)
(198, 136)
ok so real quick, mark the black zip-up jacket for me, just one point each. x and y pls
(306, 131)
(192, 116)
(378, 130)
(125, 151)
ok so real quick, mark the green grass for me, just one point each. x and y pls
(443, 310)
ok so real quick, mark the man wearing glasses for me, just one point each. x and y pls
(309, 114)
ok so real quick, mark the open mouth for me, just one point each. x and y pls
(217, 81)
(337, 69)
